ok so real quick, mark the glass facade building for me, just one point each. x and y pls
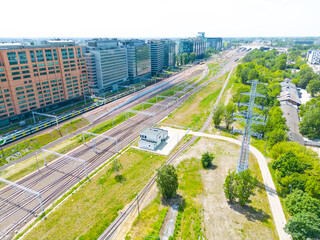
(169, 50)
(139, 60)
(156, 50)
(214, 43)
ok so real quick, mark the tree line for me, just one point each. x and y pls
(297, 171)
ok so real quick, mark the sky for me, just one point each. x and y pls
(159, 18)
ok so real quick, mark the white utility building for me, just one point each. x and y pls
(150, 138)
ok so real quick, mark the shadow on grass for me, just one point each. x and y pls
(120, 178)
(176, 199)
(211, 167)
(251, 213)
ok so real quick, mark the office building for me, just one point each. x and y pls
(107, 65)
(169, 53)
(214, 43)
(199, 47)
(39, 78)
(139, 60)
(196, 45)
(313, 57)
(184, 46)
(156, 54)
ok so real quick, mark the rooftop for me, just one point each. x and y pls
(151, 131)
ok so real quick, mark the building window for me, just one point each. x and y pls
(64, 54)
(40, 57)
(12, 57)
(55, 54)
(23, 57)
(48, 54)
(33, 56)
(71, 53)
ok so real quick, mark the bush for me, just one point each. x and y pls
(206, 159)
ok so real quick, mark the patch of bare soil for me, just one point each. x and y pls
(222, 220)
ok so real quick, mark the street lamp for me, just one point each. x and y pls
(290, 188)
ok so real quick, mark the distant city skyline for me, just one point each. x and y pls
(160, 19)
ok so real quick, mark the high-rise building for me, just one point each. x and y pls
(107, 64)
(185, 46)
(214, 43)
(199, 47)
(139, 59)
(156, 50)
(169, 47)
(313, 57)
(39, 78)
(195, 45)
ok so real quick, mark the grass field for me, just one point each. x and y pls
(204, 210)
(189, 220)
(89, 212)
(193, 113)
(29, 145)
(148, 223)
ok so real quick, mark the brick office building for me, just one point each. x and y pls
(39, 78)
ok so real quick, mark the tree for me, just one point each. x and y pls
(288, 164)
(303, 225)
(275, 136)
(253, 74)
(282, 64)
(229, 188)
(192, 57)
(206, 159)
(239, 186)
(184, 58)
(239, 70)
(313, 87)
(245, 185)
(229, 109)
(305, 76)
(310, 124)
(116, 166)
(218, 115)
(244, 75)
(299, 201)
(167, 181)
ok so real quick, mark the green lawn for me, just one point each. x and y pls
(29, 145)
(194, 112)
(89, 212)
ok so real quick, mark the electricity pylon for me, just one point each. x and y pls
(249, 117)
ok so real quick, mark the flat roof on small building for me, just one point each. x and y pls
(151, 131)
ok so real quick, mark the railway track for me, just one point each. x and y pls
(178, 79)
(113, 227)
(127, 135)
